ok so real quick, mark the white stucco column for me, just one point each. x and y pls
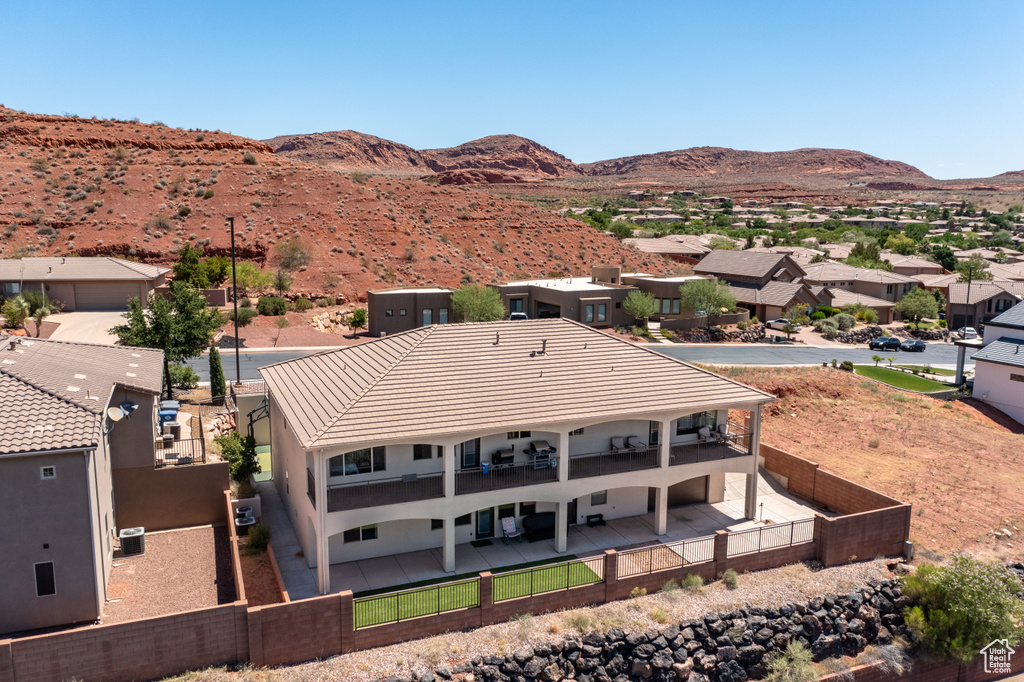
(561, 526)
(448, 458)
(665, 442)
(660, 510)
(449, 545)
(323, 555)
(750, 508)
(563, 457)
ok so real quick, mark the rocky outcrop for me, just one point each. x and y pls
(475, 177)
(720, 647)
(751, 334)
(508, 154)
(352, 150)
(929, 334)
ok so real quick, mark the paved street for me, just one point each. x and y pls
(250, 362)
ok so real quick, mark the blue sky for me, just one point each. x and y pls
(935, 84)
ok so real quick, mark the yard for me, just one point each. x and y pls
(930, 370)
(899, 379)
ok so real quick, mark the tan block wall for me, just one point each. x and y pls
(171, 497)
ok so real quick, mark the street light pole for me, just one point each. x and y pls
(234, 296)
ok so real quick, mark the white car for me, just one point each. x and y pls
(967, 333)
(781, 325)
(518, 316)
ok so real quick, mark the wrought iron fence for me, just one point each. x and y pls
(394, 607)
(407, 488)
(185, 451)
(604, 463)
(506, 476)
(770, 537)
(550, 578)
(661, 557)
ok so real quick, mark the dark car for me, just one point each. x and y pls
(911, 345)
(885, 343)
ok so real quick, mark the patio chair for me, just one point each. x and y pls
(508, 527)
(704, 434)
(634, 443)
(618, 446)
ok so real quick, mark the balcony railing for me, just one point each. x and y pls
(410, 488)
(508, 476)
(175, 452)
(735, 444)
(604, 463)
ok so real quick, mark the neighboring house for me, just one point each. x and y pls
(912, 265)
(801, 254)
(837, 298)
(59, 460)
(775, 298)
(749, 268)
(937, 282)
(880, 284)
(1003, 271)
(682, 252)
(976, 303)
(391, 311)
(999, 365)
(992, 254)
(595, 301)
(428, 439)
(82, 284)
(667, 301)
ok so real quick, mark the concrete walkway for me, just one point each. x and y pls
(299, 579)
(690, 521)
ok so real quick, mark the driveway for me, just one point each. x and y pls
(86, 327)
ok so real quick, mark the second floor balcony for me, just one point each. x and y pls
(379, 492)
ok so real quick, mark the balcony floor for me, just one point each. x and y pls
(690, 521)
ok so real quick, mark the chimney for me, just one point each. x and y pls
(13, 344)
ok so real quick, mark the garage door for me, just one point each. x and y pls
(113, 296)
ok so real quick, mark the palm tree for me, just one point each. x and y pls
(877, 359)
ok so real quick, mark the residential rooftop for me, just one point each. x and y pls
(77, 269)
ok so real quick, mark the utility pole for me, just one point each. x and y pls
(234, 296)
(970, 275)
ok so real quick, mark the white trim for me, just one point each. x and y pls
(43, 474)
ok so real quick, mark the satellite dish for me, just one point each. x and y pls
(115, 414)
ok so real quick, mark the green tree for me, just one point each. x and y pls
(901, 244)
(182, 329)
(621, 229)
(877, 359)
(282, 281)
(217, 270)
(916, 231)
(293, 254)
(218, 387)
(39, 306)
(943, 255)
(940, 300)
(917, 305)
(962, 606)
(250, 278)
(639, 304)
(189, 269)
(477, 303)
(973, 269)
(15, 311)
(705, 297)
(721, 243)
(356, 320)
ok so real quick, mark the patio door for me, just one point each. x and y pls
(471, 454)
(485, 523)
(570, 513)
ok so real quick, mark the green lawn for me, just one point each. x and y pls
(540, 580)
(934, 370)
(899, 379)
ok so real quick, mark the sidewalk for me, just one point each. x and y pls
(299, 579)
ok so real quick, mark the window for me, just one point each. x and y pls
(602, 312)
(471, 454)
(692, 423)
(599, 498)
(401, 312)
(361, 534)
(436, 524)
(515, 305)
(675, 306)
(362, 461)
(506, 510)
(464, 520)
(422, 451)
(577, 432)
(442, 316)
(652, 433)
(389, 313)
(513, 435)
(46, 473)
(45, 583)
(888, 289)
(527, 508)
(1017, 377)
(666, 306)
(590, 313)
(618, 305)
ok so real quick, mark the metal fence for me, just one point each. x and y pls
(409, 488)
(604, 463)
(185, 451)
(662, 557)
(770, 537)
(394, 607)
(551, 578)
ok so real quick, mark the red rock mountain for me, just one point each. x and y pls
(349, 150)
(505, 153)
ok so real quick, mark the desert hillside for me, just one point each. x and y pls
(350, 150)
(91, 186)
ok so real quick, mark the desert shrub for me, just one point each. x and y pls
(845, 321)
(249, 158)
(828, 328)
(741, 325)
(245, 316)
(638, 592)
(303, 304)
(281, 322)
(667, 334)
(962, 606)
(692, 582)
(942, 324)
(847, 365)
(834, 362)
(245, 302)
(791, 665)
(184, 211)
(818, 316)
(671, 587)
(326, 302)
(867, 316)
(259, 537)
(730, 579)
(45, 230)
(208, 194)
(754, 320)
(183, 377)
(272, 305)
(580, 621)
(892, 658)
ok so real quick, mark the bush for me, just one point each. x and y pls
(845, 321)
(183, 377)
(741, 325)
(637, 592)
(834, 362)
(303, 304)
(828, 328)
(818, 316)
(942, 324)
(249, 158)
(754, 320)
(961, 607)
(730, 579)
(791, 665)
(281, 322)
(272, 305)
(692, 582)
(259, 537)
(184, 210)
(245, 316)
(246, 302)
(325, 302)
(847, 365)
(868, 316)
(240, 453)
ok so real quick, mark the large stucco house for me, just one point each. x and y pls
(999, 365)
(80, 283)
(429, 438)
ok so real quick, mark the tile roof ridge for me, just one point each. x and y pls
(98, 411)
(426, 333)
(85, 344)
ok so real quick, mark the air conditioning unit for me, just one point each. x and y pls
(133, 541)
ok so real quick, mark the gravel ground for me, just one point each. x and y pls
(181, 570)
(765, 588)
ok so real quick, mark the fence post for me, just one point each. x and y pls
(721, 551)
(347, 626)
(822, 538)
(611, 575)
(6, 661)
(486, 598)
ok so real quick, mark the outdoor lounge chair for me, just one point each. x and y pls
(618, 446)
(508, 527)
(704, 434)
(634, 443)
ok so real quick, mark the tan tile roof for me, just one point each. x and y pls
(449, 379)
(841, 297)
(666, 246)
(61, 390)
(741, 263)
(830, 271)
(76, 269)
(981, 291)
(773, 293)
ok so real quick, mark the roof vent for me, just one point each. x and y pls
(497, 338)
(13, 343)
(543, 346)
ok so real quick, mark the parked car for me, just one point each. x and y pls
(911, 345)
(518, 316)
(967, 333)
(885, 343)
(781, 325)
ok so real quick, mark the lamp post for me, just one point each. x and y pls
(234, 296)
